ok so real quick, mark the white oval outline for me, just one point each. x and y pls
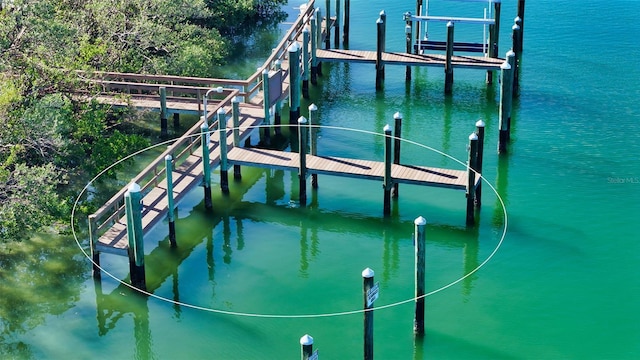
(292, 316)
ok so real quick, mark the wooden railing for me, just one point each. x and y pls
(148, 178)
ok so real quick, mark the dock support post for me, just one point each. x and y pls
(517, 49)
(168, 166)
(206, 170)
(347, 19)
(93, 240)
(471, 165)
(222, 133)
(133, 206)
(265, 133)
(305, 63)
(306, 343)
(235, 113)
(314, 50)
(277, 120)
(521, 16)
(367, 277)
(313, 124)
(294, 83)
(176, 121)
(505, 106)
(387, 184)
(163, 112)
(480, 132)
(319, 38)
(419, 243)
(418, 25)
(379, 51)
(448, 68)
(397, 140)
(327, 25)
(302, 152)
(408, 30)
(336, 40)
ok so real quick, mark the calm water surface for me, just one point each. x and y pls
(563, 284)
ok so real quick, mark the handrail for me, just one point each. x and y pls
(189, 136)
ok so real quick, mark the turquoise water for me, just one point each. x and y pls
(563, 283)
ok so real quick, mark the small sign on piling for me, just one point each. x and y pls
(372, 294)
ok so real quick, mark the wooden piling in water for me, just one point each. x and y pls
(265, 133)
(224, 166)
(419, 244)
(306, 343)
(313, 124)
(347, 19)
(521, 16)
(319, 39)
(505, 107)
(511, 59)
(93, 240)
(327, 25)
(235, 113)
(379, 50)
(397, 141)
(302, 151)
(494, 37)
(448, 67)
(133, 209)
(408, 32)
(294, 83)
(517, 49)
(314, 47)
(277, 119)
(471, 165)
(367, 277)
(305, 63)
(479, 156)
(387, 184)
(336, 40)
(206, 165)
(168, 166)
(163, 112)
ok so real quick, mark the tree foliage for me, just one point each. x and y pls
(47, 136)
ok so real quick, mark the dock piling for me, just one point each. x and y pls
(327, 25)
(206, 170)
(506, 96)
(408, 30)
(367, 277)
(305, 63)
(379, 50)
(347, 19)
(480, 154)
(222, 133)
(521, 16)
(336, 40)
(265, 135)
(448, 67)
(235, 114)
(163, 112)
(93, 240)
(397, 141)
(277, 119)
(302, 152)
(471, 165)
(306, 343)
(294, 83)
(133, 209)
(168, 166)
(517, 49)
(314, 50)
(387, 184)
(313, 124)
(318, 26)
(419, 244)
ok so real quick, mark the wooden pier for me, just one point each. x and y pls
(251, 103)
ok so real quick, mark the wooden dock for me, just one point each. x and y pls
(353, 168)
(406, 59)
(247, 102)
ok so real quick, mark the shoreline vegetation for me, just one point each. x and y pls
(50, 143)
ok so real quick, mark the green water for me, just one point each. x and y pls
(562, 285)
